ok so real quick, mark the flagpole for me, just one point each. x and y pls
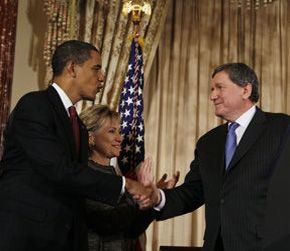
(131, 103)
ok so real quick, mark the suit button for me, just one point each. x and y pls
(222, 201)
(67, 226)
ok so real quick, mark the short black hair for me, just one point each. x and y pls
(71, 50)
(241, 74)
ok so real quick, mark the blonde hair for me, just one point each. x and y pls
(95, 116)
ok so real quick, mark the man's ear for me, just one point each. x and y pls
(247, 91)
(70, 68)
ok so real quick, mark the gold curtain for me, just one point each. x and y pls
(8, 17)
(102, 23)
(62, 25)
(199, 35)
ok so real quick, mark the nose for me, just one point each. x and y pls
(119, 138)
(101, 76)
(213, 95)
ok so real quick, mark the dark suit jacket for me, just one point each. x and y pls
(276, 228)
(43, 183)
(234, 201)
(113, 228)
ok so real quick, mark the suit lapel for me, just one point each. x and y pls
(212, 152)
(62, 118)
(83, 142)
(222, 141)
(252, 133)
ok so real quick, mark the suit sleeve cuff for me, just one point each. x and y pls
(161, 204)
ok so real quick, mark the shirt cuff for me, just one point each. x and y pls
(161, 204)
(123, 186)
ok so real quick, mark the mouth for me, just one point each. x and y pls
(117, 147)
(99, 89)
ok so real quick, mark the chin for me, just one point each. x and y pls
(218, 113)
(89, 98)
(117, 154)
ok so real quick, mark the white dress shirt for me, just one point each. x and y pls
(244, 120)
(63, 96)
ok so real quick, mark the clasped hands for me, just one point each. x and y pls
(145, 192)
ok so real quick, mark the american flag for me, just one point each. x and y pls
(131, 113)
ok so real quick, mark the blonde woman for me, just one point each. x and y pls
(111, 228)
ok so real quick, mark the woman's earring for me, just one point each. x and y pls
(92, 143)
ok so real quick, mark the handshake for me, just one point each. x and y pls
(144, 191)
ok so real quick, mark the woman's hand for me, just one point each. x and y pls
(168, 184)
(144, 172)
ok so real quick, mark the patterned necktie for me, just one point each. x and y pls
(75, 126)
(231, 143)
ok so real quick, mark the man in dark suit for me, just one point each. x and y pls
(233, 165)
(44, 174)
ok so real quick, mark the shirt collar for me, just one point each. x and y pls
(63, 96)
(245, 119)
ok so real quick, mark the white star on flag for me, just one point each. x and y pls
(129, 101)
(127, 113)
(140, 138)
(124, 124)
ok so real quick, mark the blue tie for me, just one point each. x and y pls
(231, 143)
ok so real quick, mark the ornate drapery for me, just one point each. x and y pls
(8, 17)
(251, 4)
(103, 24)
(62, 20)
(199, 35)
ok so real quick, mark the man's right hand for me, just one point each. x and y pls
(146, 196)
